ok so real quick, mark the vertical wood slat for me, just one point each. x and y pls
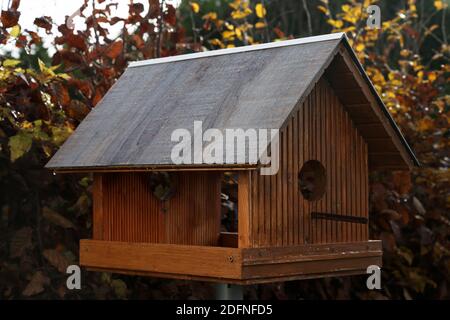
(97, 218)
(244, 208)
(305, 136)
(321, 129)
(291, 231)
(132, 214)
(297, 230)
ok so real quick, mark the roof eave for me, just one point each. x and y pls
(380, 103)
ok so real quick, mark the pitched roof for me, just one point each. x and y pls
(247, 87)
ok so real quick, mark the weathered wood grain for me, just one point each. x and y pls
(130, 212)
(230, 265)
(320, 130)
(131, 127)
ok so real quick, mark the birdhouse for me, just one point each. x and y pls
(157, 205)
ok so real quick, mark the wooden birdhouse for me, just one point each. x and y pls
(154, 216)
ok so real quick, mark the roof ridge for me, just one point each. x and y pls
(219, 52)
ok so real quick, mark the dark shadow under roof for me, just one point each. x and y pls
(250, 87)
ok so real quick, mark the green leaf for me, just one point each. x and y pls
(120, 288)
(19, 145)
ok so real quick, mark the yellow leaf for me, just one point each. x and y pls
(210, 16)
(404, 53)
(64, 76)
(228, 35)
(229, 26)
(11, 62)
(15, 31)
(238, 14)
(260, 25)
(360, 47)
(438, 4)
(235, 5)
(432, 76)
(238, 32)
(216, 42)
(260, 10)
(425, 124)
(195, 7)
(345, 8)
(42, 66)
(390, 94)
(335, 23)
(323, 9)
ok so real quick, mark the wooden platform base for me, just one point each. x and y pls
(230, 265)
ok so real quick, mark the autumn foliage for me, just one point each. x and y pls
(43, 98)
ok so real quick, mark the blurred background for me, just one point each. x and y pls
(58, 59)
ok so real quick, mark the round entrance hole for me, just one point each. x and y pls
(312, 180)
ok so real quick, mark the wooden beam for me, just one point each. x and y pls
(165, 258)
(230, 265)
(239, 167)
(310, 260)
(244, 208)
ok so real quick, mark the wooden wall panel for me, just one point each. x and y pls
(131, 213)
(322, 130)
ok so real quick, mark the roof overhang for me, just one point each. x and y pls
(387, 147)
(338, 64)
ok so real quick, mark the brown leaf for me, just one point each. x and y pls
(20, 242)
(114, 49)
(57, 260)
(35, 38)
(57, 219)
(44, 22)
(36, 284)
(170, 15)
(278, 32)
(76, 110)
(68, 57)
(97, 97)
(61, 94)
(76, 41)
(388, 241)
(154, 8)
(138, 42)
(391, 214)
(84, 86)
(402, 181)
(9, 18)
(15, 5)
(136, 8)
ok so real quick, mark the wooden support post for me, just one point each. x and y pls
(97, 219)
(226, 291)
(244, 207)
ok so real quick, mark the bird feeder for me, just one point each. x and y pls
(156, 218)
